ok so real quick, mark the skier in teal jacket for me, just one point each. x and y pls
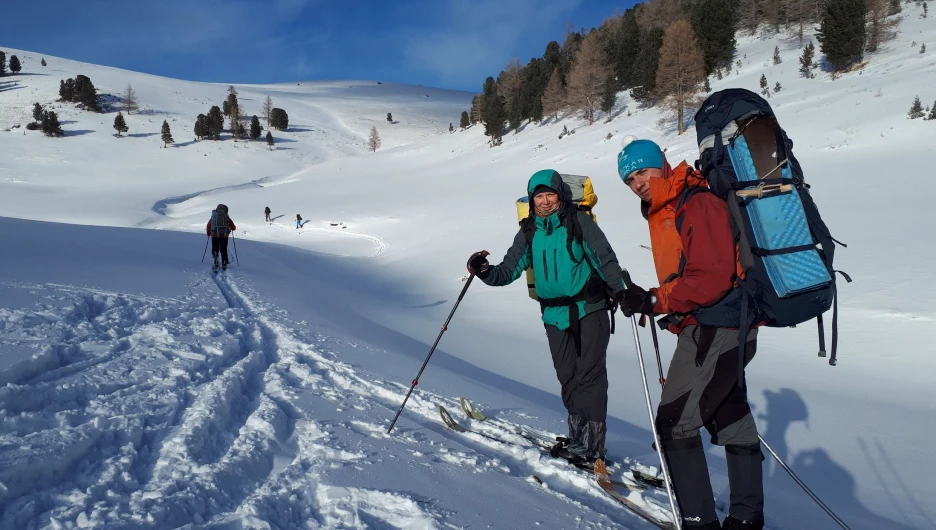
(578, 279)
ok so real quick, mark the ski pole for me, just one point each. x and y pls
(656, 347)
(802, 485)
(656, 437)
(235, 249)
(205, 253)
(444, 328)
(656, 343)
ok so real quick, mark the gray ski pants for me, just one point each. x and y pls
(702, 388)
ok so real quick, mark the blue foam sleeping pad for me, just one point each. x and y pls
(780, 222)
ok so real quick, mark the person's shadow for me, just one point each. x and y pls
(827, 479)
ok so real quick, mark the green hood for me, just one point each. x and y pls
(551, 178)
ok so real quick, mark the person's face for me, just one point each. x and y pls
(546, 200)
(639, 181)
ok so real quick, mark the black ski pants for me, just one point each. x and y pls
(583, 373)
(219, 244)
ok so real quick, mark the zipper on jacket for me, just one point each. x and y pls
(555, 266)
(545, 266)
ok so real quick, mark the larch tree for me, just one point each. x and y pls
(587, 77)
(681, 71)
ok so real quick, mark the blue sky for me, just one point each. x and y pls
(442, 43)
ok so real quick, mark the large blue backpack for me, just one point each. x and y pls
(747, 160)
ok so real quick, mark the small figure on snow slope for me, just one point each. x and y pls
(219, 228)
(696, 267)
(298, 221)
(575, 272)
(267, 212)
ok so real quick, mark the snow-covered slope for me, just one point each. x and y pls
(339, 332)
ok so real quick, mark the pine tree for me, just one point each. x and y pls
(255, 128)
(464, 120)
(645, 69)
(451, 128)
(535, 79)
(925, 11)
(842, 32)
(50, 124)
(916, 110)
(15, 65)
(492, 112)
(37, 112)
(120, 125)
(279, 119)
(776, 55)
(609, 95)
(373, 141)
(586, 81)
(763, 81)
(269, 138)
(628, 49)
(806, 60)
(715, 23)
(681, 71)
(923, 48)
(390, 117)
(67, 89)
(86, 93)
(201, 127)
(44, 63)
(215, 123)
(554, 96)
(777, 87)
(232, 91)
(932, 114)
(267, 109)
(2, 64)
(240, 131)
(130, 99)
(706, 86)
(166, 134)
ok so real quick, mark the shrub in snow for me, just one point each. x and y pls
(776, 55)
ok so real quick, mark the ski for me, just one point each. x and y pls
(536, 439)
(546, 442)
(607, 485)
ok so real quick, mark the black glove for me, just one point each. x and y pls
(478, 263)
(635, 299)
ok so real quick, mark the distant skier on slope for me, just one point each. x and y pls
(267, 212)
(219, 228)
(575, 278)
(696, 267)
(298, 221)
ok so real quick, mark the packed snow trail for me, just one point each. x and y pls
(214, 408)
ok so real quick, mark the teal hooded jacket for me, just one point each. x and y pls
(557, 273)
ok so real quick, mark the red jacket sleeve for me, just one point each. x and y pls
(709, 250)
(231, 225)
(208, 227)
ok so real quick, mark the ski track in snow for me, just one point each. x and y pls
(146, 412)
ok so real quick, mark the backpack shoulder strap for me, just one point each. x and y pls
(687, 194)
